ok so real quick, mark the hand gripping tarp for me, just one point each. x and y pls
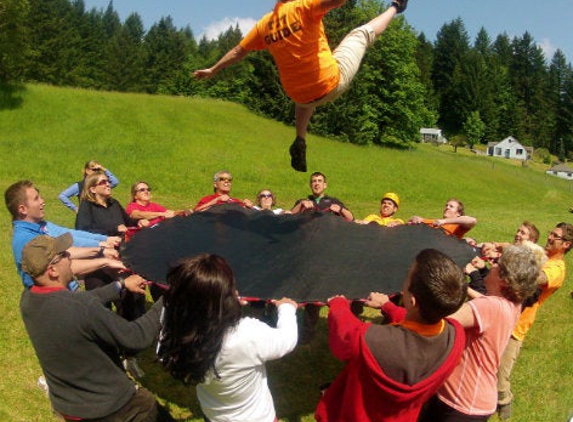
(308, 257)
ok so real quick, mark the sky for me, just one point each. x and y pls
(549, 23)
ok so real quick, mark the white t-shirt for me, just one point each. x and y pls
(242, 393)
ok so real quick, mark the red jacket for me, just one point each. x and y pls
(363, 392)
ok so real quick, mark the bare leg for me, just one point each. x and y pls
(302, 117)
(381, 22)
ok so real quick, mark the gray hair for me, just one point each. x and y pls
(218, 175)
(519, 269)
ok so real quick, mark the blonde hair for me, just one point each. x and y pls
(91, 181)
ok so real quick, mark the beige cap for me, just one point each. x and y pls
(40, 251)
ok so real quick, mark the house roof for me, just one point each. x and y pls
(431, 131)
(561, 167)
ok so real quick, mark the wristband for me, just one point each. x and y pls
(100, 252)
(121, 284)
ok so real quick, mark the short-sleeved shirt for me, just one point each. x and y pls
(322, 203)
(383, 221)
(451, 229)
(294, 34)
(209, 198)
(151, 207)
(554, 270)
(472, 387)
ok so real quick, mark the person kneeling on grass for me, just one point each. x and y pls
(205, 342)
(393, 369)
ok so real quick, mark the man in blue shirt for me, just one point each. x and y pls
(89, 251)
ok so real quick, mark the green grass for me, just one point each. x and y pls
(176, 144)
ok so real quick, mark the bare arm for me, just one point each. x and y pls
(302, 205)
(86, 266)
(340, 210)
(150, 215)
(83, 253)
(234, 55)
(464, 220)
(472, 294)
(465, 316)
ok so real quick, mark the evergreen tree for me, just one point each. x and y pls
(452, 47)
(166, 49)
(54, 41)
(559, 75)
(126, 57)
(529, 75)
(13, 39)
(425, 60)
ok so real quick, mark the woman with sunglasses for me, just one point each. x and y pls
(142, 209)
(266, 201)
(75, 189)
(98, 211)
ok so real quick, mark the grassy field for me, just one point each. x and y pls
(176, 144)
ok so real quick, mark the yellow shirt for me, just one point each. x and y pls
(294, 34)
(383, 221)
(554, 270)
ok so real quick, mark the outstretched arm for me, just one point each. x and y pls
(234, 55)
(463, 220)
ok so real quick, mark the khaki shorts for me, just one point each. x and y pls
(348, 54)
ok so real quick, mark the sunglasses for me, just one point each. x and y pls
(266, 195)
(59, 257)
(554, 236)
(225, 179)
(103, 182)
(143, 190)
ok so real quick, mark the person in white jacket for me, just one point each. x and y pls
(205, 341)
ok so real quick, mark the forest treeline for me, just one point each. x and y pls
(477, 91)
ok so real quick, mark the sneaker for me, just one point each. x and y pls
(131, 366)
(298, 154)
(504, 411)
(400, 5)
(43, 384)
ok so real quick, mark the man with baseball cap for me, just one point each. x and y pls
(77, 339)
(388, 206)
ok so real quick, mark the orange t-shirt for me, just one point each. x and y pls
(554, 270)
(450, 229)
(294, 34)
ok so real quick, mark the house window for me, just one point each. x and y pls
(518, 151)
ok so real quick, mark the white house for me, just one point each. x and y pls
(508, 148)
(432, 135)
(561, 170)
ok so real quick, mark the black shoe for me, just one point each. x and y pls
(298, 154)
(400, 5)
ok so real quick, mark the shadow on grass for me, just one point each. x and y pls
(11, 96)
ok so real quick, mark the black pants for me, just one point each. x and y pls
(436, 410)
(141, 408)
